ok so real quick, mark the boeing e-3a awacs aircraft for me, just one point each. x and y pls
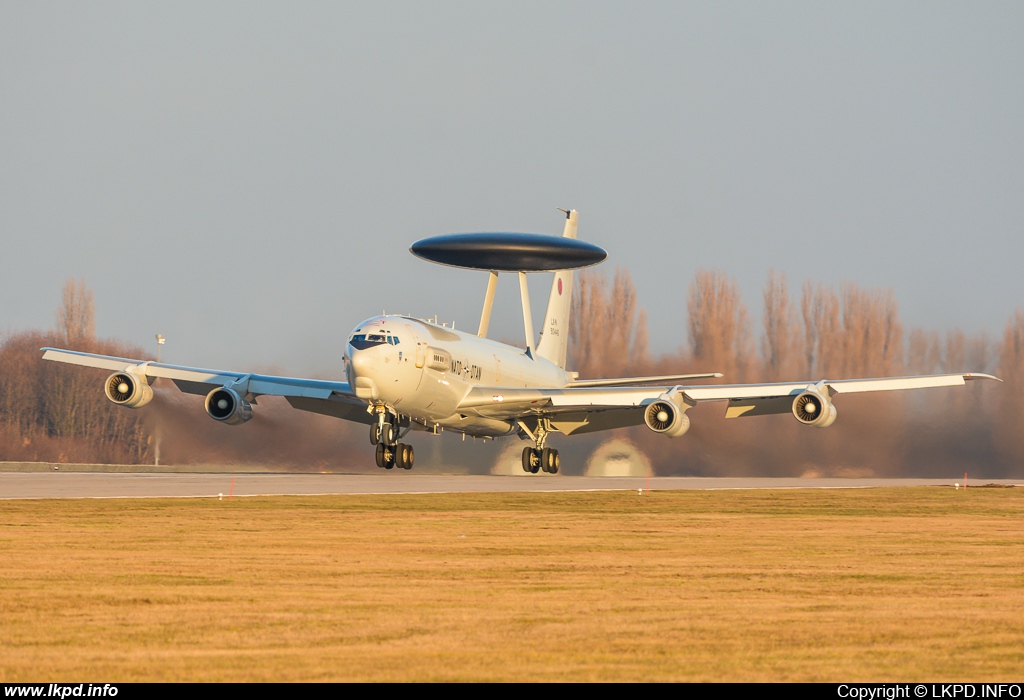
(411, 374)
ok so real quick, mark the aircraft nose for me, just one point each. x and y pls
(361, 366)
(361, 362)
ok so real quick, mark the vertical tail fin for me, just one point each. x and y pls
(554, 334)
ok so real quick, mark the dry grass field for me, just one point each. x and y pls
(865, 585)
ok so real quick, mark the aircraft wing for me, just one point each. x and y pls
(314, 395)
(585, 409)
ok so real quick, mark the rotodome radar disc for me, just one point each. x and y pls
(508, 252)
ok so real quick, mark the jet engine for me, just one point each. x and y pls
(226, 406)
(128, 389)
(811, 408)
(665, 416)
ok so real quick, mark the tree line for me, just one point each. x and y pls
(821, 333)
(57, 413)
(52, 412)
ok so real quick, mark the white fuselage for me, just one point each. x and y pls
(424, 371)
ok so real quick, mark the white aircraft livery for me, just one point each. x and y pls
(406, 374)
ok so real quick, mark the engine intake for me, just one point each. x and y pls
(128, 389)
(664, 416)
(226, 406)
(811, 408)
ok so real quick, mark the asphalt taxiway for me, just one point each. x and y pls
(20, 485)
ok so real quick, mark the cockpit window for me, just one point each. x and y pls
(361, 341)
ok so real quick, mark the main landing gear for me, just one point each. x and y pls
(390, 453)
(398, 455)
(539, 458)
(535, 460)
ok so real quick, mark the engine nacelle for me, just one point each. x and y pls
(666, 417)
(128, 389)
(811, 408)
(226, 406)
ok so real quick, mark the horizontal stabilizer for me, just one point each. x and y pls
(630, 381)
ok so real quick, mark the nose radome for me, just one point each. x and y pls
(361, 362)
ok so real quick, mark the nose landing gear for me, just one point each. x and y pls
(390, 453)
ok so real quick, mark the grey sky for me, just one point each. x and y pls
(246, 178)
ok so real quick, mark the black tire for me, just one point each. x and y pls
(546, 459)
(527, 454)
(389, 457)
(535, 461)
(380, 455)
(556, 461)
(375, 435)
(401, 456)
(410, 457)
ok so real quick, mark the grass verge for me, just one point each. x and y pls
(853, 585)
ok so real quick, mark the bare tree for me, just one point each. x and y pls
(872, 335)
(978, 353)
(782, 343)
(856, 334)
(1007, 429)
(58, 413)
(819, 307)
(608, 329)
(76, 317)
(924, 353)
(719, 325)
(587, 324)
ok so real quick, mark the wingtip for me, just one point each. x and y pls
(974, 375)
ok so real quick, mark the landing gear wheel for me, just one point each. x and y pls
(527, 459)
(389, 457)
(380, 455)
(381, 434)
(404, 456)
(535, 462)
(549, 460)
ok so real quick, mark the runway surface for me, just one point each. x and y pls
(19, 485)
